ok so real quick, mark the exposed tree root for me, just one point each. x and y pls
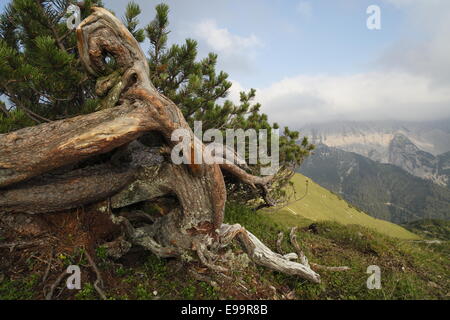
(301, 255)
(47, 271)
(20, 245)
(98, 283)
(144, 237)
(49, 295)
(202, 253)
(321, 267)
(262, 255)
(279, 241)
(245, 177)
(256, 250)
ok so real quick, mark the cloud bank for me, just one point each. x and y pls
(364, 96)
(410, 80)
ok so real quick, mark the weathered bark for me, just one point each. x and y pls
(56, 192)
(23, 153)
(131, 107)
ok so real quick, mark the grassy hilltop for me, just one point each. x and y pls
(320, 204)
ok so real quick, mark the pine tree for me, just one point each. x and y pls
(43, 80)
(111, 160)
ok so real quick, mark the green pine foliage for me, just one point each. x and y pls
(15, 120)
(40, 73)
(132, 22)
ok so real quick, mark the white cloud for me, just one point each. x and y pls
(304, 8)
(236, 52)
(424, 49)
(222, 40)
(234, 93)
(365, 96)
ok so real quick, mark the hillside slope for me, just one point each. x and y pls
(382, 190)
(330, 231)
(320, 204)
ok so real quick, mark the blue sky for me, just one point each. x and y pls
(316, 61)
(294, 37)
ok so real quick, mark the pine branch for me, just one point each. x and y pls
(33, 116)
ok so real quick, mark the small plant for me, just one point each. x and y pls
(101, 252)
(189, 292)
(209, 291)
(86, 293)
(156, 266)
(65, 259)
(142, 293)
(122, 272)
(22, 289)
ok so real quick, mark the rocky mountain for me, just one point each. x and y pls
(406, 155)
(444, 166)
(384, 191)
(419, 148)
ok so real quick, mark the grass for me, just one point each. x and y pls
(320, 204)
(408, 270)
(18, 289)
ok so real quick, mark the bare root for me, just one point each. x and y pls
(98, 283)
(262, 255)
(202, 252)
(47, 271)
(301, 255)
(49, 295)
(321, 267)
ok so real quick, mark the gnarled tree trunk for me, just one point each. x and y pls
(48, 168)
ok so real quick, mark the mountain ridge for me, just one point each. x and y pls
(430, 136)
(420, 148)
